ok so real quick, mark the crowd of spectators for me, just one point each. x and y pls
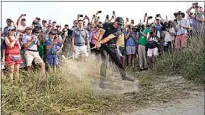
(45, 42)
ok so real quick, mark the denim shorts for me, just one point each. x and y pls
(52, 60)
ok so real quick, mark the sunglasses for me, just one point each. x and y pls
(12, 30)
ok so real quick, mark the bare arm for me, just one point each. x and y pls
(108, 38)
(3, 55)
(72, 44)
(145, 16)
(102, 31)
(127, 35)
(28, 42)
(10, 44)
(17, 23)
(143, 34)
(188, 10)
(48, 47)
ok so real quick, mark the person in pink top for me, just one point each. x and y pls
(95, 38)
(13, 57)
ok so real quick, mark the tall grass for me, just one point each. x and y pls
(66, 92)
(188, 62)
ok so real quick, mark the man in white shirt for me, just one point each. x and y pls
(169, 37)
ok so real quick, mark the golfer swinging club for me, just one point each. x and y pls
(108, 46)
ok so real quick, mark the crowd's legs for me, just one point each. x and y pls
(181, 41)
(142, 57)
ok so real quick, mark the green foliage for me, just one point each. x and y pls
(188, 62)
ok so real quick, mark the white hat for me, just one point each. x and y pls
(11, 28)
(158, 18)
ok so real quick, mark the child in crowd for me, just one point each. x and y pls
(52, 46)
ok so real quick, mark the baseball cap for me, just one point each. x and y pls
(28, 28)
(119, 20)
(11, 28)
(38, 18)
(158, 18)
(51, 33)
(8, 20)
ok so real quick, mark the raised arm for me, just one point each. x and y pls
(18, 20)
(145, 16)
(189, 10)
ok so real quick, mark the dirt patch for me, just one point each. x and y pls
(192, 106)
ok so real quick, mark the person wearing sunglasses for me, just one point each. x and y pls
(30, 50)
(12, 54)
(9, 23)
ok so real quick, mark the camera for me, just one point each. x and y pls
(157, 15)
(80, 15)
(195, 4)
(98, 12)
(150, 17)
(107, 17)
(138, 28)
(113, 12)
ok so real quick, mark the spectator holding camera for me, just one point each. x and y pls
(181, 30)
(95, 38)
(152, 52)
(196, 18)
(52, 47)
(12, 54)
(31, 53)
(130, 37)
(169, 37)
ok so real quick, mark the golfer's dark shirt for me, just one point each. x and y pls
(109, 29)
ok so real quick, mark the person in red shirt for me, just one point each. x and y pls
(13, 58)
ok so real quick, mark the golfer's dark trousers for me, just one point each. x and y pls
(112, 51)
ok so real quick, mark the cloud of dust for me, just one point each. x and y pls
(87, 74)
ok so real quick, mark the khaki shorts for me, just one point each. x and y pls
(80, 50)
(30, 56)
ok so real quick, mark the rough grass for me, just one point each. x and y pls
(55, 97)
(67, 92)
(188, 62)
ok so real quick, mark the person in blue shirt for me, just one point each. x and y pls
(52, 47)
(130, 37)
